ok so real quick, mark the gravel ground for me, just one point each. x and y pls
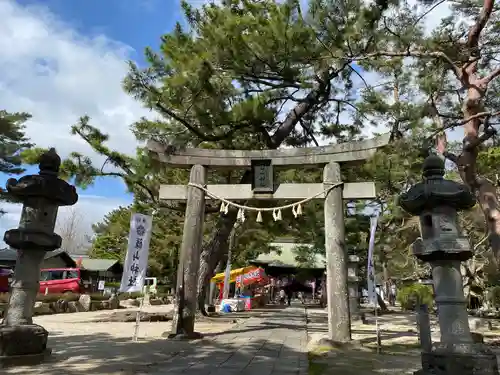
(400, 351)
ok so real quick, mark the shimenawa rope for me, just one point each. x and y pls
(296, 207)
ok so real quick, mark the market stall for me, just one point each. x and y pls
(219, 278)
(251, 288)
(248, 293)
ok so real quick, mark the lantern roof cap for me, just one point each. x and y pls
(435, 190)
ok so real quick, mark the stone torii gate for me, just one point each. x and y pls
(262, 164)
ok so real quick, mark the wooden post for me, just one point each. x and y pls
(353, 286)
(189, 257)
(339, 324)
(424, 329)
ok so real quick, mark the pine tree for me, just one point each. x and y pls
(450, 79)
(247, 75)
(12, 143)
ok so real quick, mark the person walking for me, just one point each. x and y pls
(282, 296)
(392, 294)
(301, 298)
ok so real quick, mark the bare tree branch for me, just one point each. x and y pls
(475, 31)
(422, 54)
(71, 227)
(490, 77)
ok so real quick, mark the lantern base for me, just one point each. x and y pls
(463, 359)
(23, 345)
(24, 360)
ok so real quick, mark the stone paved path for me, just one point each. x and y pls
(272, 344)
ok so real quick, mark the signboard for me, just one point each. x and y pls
(262, 177)
(101, 284)
(136, 260)
(253, 276)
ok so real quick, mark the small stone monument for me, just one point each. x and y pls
(437, 200)
(21, 341)
(353, 286)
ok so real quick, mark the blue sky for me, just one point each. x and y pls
(67, 59)
(62, 59)
(135, 23)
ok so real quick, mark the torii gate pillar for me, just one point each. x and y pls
(189, 256)
(339, 327)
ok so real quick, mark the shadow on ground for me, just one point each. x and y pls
(394, 317)
(262, 326)
(362, 357)
(236, 351)
(103, 354)
(395, 360)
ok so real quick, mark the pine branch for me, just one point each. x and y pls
(300, 110)
(414, 53)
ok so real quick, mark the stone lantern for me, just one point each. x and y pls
(437, 202)
(21, 341)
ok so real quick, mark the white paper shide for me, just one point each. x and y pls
(136, 260)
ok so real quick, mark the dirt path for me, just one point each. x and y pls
(400, 351)
(83, 346)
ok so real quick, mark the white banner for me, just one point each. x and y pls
(136, 260)
(372, 293)
(227, 278)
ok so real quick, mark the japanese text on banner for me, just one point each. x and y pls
(136, 260)
(372, 292)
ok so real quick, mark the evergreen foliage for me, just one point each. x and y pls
(265, 74)
(13, 142)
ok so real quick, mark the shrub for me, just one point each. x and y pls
(134, 295)
(163, 295)
(98, 297)
(411, 296)
(494, 296)
(163, 289)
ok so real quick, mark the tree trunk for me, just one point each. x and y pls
(484, 189)
(212, 253)
(476, 87)
(381, 303)
(218, 270)
(385, 271)
(217, 246)
(490, 205)
(209, 261)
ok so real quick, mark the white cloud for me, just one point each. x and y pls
(433, 13)
(51, 71)
(89, 208)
